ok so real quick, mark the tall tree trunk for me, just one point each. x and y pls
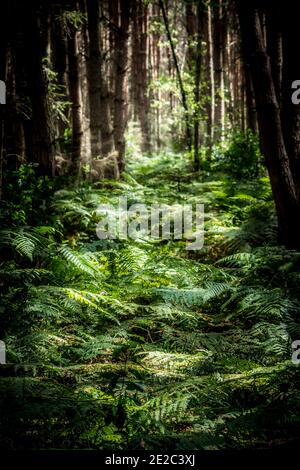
(274, 48)
(99, 96)
(270, 128)
(42, 137)
(291, 72)
(198, 65)
(3, 75)
(120, 98)
(140, 69)
(243, 104)
(143, 100)
(211, 83)
(191, 28)
(75, 95)
(194, 23)
(156, 53)
(83, 58)
(250, 100)
(59, 61)
(94, 76)
(179, 78)
(218, 67)
(135, 44)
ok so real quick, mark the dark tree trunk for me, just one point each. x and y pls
(42, 136)
(218, 66)
(94, 76)
(140, 59)
(291, 71)
(75, 95)
(142, 76)
(198, 65)
(194, 23)
(178, 74)
(250, 100)
(274, 47)
(3, 75)
(135, 45)
(58, 44)
(120, 95)
(270, 128)
(59, 60)
(210, 106)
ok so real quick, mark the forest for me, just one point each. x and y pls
(150, 225)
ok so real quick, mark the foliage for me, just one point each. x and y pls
(114, 342)
(241, 157)
(26, 196)
(59, 103)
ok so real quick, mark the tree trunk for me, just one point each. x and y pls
(250, 100)
(94, 76)
(120, 99)
(75, 95)
(198, 66)
(211, 84)
(270, 128)
(274, 48)
(218, 68)
(42, 135)
(194, 23)
(59, 61)
(179, 78)
(134, 59)
(3, 75)
(143, 101)
(106, 80)
(291, 71)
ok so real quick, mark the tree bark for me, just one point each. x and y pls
(218, 68)
(179, 78)
(250, 100)
(121, 62)
(94, 76)
(211, 83)
(291, 71)
(75, 95)
(42, 136)
(270, 127)
(143, 101)
(194, 23)
(3, 75)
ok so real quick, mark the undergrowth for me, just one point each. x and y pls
(143, 344)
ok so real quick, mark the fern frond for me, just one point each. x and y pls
(87, 262)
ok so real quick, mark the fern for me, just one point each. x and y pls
(113, 340)
(26, 241)
(87, 262)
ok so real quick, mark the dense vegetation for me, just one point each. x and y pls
(143, 344)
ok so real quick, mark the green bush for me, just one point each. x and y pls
(241, 158)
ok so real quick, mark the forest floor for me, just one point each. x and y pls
(145, 344)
